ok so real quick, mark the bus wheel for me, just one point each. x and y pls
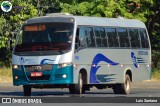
(123, 88)
(116, 89)
(27, 90)
(78, 88)
(71, 89)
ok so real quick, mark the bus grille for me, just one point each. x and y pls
(44, 77)
(46, 67)
(38, 68)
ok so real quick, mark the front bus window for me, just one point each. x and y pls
(46, 38)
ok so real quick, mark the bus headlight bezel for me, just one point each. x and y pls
(62, 65)
(16, 67)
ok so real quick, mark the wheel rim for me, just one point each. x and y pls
(80, 84)
(127, 85)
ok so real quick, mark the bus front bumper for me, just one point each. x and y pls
(55, 76)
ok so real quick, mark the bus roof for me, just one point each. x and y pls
(91, 21)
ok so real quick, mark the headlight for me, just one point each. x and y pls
(17, 67)
(64, 65)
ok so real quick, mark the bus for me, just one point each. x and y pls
(80, 52)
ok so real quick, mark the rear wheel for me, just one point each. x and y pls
(123, 88)
(27, 90)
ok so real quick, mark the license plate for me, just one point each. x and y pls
(36, 74)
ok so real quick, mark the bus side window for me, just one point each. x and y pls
(81, 37)
(77, 42)
(112, 37)
(103, 38)
(135, 40)
(20, 36)
(123, 37)
(144, 38)
(97, 36)
(89, 37)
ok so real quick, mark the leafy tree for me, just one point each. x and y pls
(10, 23)
(147, 11)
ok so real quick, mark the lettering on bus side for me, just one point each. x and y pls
(138, 59)
(142, 52)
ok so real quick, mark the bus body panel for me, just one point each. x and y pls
(114, 69)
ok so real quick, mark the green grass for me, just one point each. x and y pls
(5, 75)
(156, 74)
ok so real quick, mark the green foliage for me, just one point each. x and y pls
(149, 12)
(5, 75)
(156, 74)
(9, 24)
(155, 58)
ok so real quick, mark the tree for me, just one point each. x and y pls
(9, 24)
(147, 11)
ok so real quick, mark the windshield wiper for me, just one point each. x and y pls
(61, 51)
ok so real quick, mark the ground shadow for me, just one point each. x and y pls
(58, 94)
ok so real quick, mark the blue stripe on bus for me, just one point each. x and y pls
(105, 78)
(98, 58)
(46, 61)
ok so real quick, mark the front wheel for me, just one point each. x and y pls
(27, 90)
(123, 88)
(78, 88)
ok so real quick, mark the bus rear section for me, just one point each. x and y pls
(111, 53)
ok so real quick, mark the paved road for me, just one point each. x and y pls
(141, 89)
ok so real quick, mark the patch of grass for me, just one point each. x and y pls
(6, 72)
(156, 74)
(5, 75)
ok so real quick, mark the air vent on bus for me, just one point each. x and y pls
(59, 14)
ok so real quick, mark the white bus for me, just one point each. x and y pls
(78, 52)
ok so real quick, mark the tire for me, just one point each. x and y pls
(27, 90)
(123, 88)
(116, 89)
(78, 88)
(71, 89)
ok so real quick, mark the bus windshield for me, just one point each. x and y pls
(45, 37)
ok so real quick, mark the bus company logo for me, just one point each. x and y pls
(134, 59)
(6, 6)
(22, 60)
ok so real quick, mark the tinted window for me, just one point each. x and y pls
(82, 37)
(45, 37)
(77, 42)
(144, 38)
(103, 38)
(112, 37)
(86, 36)
(97, 36)
(123, 37)
(134, 38)
(89, 37)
